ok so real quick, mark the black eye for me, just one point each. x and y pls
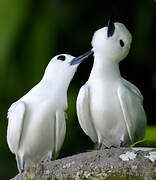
(122, 43)
(61, 57)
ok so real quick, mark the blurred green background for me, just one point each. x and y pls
(32, 32)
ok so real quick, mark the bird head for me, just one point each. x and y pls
(64, 65)
(112, 42)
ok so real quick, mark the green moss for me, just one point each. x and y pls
(28, 178)
(111, 177)
(69, 178)
(123, 177)
(107, 175)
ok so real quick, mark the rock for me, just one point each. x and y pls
(123, 163)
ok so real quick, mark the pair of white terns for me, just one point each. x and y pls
(109, 108)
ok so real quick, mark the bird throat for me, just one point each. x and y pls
(105, 69)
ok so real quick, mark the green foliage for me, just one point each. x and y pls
(145, 143)
(149, 140)
(151, 133)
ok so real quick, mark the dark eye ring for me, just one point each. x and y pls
(61, 57)
(122, 43)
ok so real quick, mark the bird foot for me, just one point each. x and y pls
(121, 143)
(99, 146)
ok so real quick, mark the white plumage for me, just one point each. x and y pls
(109, 108)
(36, 122)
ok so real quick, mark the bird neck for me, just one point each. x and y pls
(59, 79)
(105, 69)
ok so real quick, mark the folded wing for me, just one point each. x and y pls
(60, 131)
(15, 125)
(131, 102)
(83, 112)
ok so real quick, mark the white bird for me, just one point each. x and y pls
(36, 122)
(109, 108)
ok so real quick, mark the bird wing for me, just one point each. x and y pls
(15, 125)
(83, 113)
(60, 130)
(131, 102)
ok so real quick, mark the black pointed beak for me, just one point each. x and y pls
(111, 27)
(79, 59)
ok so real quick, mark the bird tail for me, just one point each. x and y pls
(20, 164)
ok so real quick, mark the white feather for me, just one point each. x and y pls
(109, 108)
(131, 104)
(83, 112)
(15, 125)
(60, 130)
(36, 122)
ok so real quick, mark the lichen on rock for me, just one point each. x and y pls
(110, 164)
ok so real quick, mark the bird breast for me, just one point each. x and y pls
(106, 111)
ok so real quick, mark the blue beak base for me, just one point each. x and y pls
(79, 59)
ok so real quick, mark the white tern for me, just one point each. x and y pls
(36, 122)
(109, 108)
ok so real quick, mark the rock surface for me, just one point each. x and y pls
(110, 164)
